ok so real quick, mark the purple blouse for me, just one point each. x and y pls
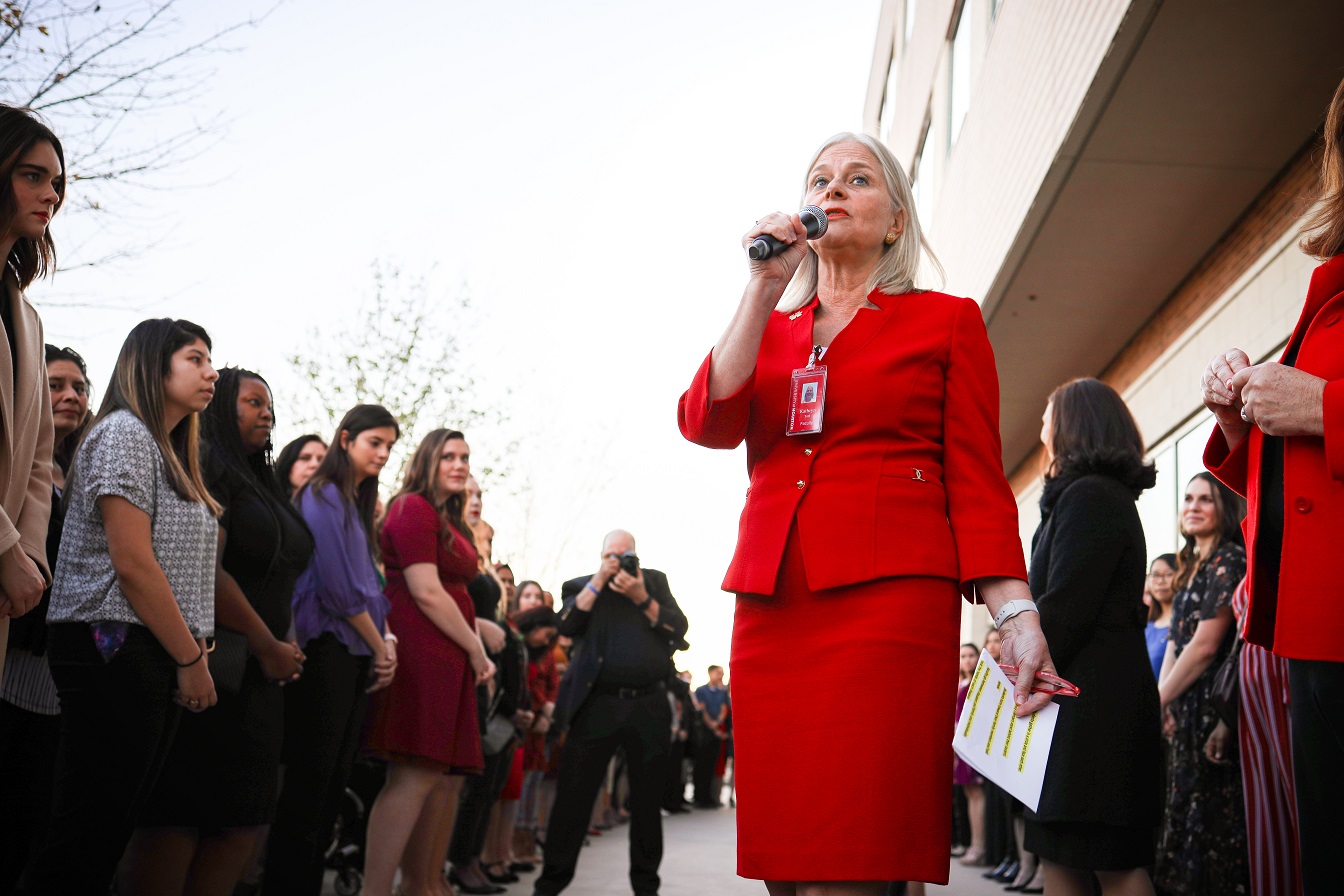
(342, 580)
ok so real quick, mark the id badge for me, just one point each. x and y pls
(807, 400)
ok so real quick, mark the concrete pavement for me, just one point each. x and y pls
(699, 859)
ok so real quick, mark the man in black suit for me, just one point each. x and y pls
(625, 624)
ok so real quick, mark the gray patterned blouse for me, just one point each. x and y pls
(119, 457)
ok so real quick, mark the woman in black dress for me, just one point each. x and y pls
(1100, 803)
(1202, 851)
(218, 788)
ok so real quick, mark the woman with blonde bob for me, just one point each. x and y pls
(424, 724)
(132, 604)
(861, 529)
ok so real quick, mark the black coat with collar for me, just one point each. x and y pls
(1088, 561)
(591, 631)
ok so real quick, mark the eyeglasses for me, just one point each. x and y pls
(1161, 575)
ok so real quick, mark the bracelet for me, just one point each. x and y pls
(593, 588)
(200, 656)
(1012, 608)
(390, 637)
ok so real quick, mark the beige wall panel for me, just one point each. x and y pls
(1040, 61)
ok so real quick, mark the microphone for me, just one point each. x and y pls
(766, 246)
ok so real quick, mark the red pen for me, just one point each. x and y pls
(1058, 687)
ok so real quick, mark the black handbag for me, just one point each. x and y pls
(1226, 691)
(228, 661)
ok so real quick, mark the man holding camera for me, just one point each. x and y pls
(625, 625)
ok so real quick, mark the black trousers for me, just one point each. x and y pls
(674, 797)
(604, 723)
(324, 711)
(706, 754)
(1316, 714)
(28, 743)
(478, 797)
(117, 724)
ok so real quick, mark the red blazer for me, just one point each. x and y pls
(906, 477)
(1302, 619)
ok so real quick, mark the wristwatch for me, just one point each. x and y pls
(1011, 609)
(645, 605)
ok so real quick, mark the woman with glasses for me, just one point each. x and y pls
(1158, 592)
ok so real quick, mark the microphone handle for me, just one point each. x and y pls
(765, 246)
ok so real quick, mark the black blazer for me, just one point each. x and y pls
(1088, 561)
(591, 630)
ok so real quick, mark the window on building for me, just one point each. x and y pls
(1177, 460)
(889, 101)
(994, 7)
(922, 185)
(908, 20)
(959, 72)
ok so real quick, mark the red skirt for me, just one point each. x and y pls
(843, 714)
(427, 716)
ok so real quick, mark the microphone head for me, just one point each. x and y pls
(814, 219)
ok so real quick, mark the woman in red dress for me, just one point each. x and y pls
(857, 536)
(424, 724)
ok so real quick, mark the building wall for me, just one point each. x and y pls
(1031, 66)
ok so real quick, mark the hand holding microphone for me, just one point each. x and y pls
(763, 245)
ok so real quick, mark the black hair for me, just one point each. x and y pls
(64, 452)
(289, 456)
(335, 469)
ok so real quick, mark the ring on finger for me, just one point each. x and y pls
(1244, 416)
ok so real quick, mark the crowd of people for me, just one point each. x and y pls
(232, 672)
(211, 649)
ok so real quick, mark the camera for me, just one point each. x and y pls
(630, 563)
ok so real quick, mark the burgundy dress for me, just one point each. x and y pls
(427, 716)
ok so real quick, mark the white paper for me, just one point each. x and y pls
(1009, 751)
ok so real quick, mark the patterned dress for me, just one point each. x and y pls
(1203, 845)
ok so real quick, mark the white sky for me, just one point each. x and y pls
(584, 169)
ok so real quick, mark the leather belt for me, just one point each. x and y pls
(628, 693)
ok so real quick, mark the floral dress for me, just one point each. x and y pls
(1203, 845)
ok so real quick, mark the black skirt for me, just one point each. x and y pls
(222, 770)
(1091, 846)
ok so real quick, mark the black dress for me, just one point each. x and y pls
(1101, 801)
(222, 769)
(1203, 850)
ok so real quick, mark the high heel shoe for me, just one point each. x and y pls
(462, 886)
(1009, 874)
(1024, 876)
(973, 857)
(993, 873)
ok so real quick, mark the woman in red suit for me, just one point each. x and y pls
(1280, 442)
(425, 724)
(856, 539)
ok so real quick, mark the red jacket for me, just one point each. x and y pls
(1304, 617)
(906, 477)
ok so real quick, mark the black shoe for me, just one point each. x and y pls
(522, 867)
(993, 873)
(497, 877)
(463, 887)
(1010, 873)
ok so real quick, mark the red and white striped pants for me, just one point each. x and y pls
(1267, 774)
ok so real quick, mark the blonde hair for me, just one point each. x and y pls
(899, 268)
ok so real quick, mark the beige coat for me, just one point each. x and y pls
(25, 441)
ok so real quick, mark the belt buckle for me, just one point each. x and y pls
(627, 693)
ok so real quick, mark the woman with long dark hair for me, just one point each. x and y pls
(219, 784)
(298, 461)
(424, 725)
(339, 616)
(1088, 562)
(132, 604)
(30, 724)
(1202, 851)
(32, 189)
